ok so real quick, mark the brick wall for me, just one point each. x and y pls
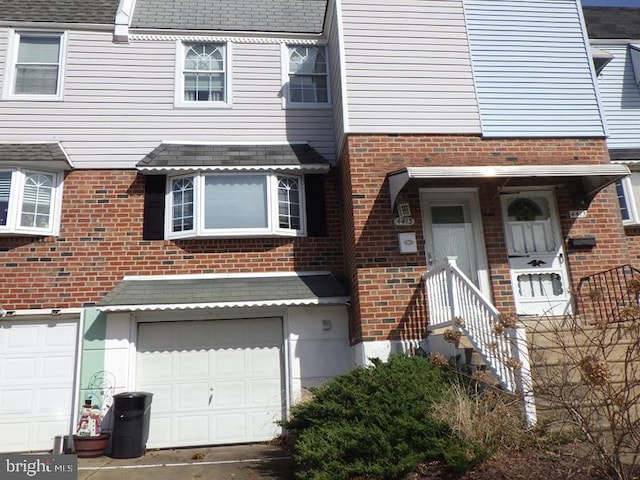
(633, 239)
(387, 296)
(101, 241)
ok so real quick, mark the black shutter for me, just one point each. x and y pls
(315, 201)
(154, 193)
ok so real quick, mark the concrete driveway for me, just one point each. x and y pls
(238, 462)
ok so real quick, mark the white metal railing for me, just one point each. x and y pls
(453, 300)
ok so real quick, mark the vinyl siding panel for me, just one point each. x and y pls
(408, 67)
(620, 96)
(333, 34)
(3, 54)
(119, 104)
(532, 69)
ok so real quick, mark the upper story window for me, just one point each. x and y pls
(207, 204)
(204, 75)
(35, 66)
(308, 76)
(29, 202)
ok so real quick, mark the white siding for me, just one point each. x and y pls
(531, 68)
(119, 104)
(3, 55)
(333, 33)
(408, 67)
(620, 98)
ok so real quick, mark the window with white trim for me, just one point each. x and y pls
(627, 199)
(203, 75)
(29, 202)
(35, 65)
(235, 204)
(308, 75)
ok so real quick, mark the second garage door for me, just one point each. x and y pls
(37, 365)
(213, 382)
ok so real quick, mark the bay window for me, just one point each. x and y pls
(29, 202)
(235, 204)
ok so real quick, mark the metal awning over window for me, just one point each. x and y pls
(192, 292)
(40, 155)
(172, 157)
(594, 177)
(634, 52)
(600, 58)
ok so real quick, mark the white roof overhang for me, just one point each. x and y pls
(306, 168)
(594, 177)
(218, 305)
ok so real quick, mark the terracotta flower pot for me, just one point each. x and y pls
(87, 447)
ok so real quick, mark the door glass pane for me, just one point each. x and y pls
(453, 237)
(235, 201)
(540, 285)
(447, 214)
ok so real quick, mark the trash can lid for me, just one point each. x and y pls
(133, 395)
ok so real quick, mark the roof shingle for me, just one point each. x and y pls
(100, 12)
(612, 22)
(183, 155)
(234, 290)
(292, 16)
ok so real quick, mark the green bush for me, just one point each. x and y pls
(376, 421)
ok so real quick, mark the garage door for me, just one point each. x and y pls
(213, 382)
(37, 365)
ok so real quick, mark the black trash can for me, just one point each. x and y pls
(131, 413)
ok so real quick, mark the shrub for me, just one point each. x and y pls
(377, 421)
(490, 418)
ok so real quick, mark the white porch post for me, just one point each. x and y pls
(524, 381)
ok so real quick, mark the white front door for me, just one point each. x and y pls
(537, 261)
(37, 365)
(213, 382)
(453, 228)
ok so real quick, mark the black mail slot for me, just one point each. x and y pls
(586, 241)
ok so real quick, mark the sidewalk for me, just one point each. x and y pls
(238, 462)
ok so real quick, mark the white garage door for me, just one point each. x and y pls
(37, 365)
(213, 382)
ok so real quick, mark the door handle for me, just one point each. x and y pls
(210, 395)
(430, 258)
